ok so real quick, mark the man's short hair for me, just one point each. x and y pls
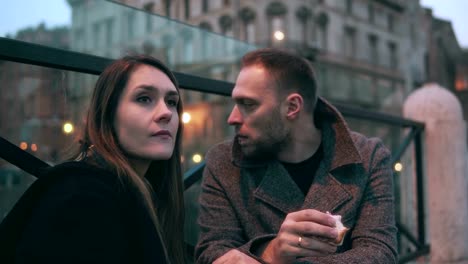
(291, 72)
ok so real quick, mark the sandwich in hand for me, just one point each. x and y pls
(341, 229)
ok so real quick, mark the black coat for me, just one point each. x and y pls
(79, 213)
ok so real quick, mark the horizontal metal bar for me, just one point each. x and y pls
(35, 54)
(30, 53)
(377, 117)
(193, 175)
(20, 158)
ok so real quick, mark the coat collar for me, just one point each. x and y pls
(326, 193)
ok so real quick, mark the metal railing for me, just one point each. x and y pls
(34, 54)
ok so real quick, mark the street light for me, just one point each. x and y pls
(33, 147)
(68, 128)
(279, 35)
(23, 145)
(398, 166)
(197, 158)
(186, 117)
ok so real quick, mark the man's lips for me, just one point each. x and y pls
(241, 139)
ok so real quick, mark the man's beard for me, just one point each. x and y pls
(274, 139)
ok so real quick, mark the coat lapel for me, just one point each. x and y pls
(326, 194)
(278, 189)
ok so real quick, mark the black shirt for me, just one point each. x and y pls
(303, 172)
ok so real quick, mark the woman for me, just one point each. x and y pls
(121, 199)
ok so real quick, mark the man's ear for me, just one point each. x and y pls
(294, 104)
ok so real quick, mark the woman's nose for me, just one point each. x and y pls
(162, 113)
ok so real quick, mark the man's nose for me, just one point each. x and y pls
(235, 118)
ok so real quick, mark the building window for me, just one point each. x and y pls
(304, 14)
(167, 5)
(225, 23)
(188, 47)
(349, 6)
(349, 42)
(109, 30)
(322, 22)
(391, 23)
(371, 13)
(79, 39)
(205, 6)
(206, 42)
(277, 25)
(250, 32)
(168, 44)
(130, 24)
(96, 34)
(393, 53)
(187, 9)
(373, 49)
(247, 16)
(148, 7)
(149, 23)
(226, 2)
(206, 26)
(276, 11)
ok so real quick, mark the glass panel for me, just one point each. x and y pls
(37, 103)
(205, 124)
(112, 30)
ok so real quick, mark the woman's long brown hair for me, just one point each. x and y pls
(164, 176)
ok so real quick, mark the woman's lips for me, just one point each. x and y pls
(162, 133)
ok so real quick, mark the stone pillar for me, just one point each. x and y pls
(445, 170)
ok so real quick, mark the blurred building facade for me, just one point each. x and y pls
(357, 46)
(367, 53)
(32, 111)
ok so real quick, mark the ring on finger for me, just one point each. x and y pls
(299, 240)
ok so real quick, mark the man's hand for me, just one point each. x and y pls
(304, 233)
(234, 256)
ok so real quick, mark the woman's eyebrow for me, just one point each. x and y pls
(152, 88)
(172, 93)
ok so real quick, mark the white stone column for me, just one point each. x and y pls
(445, 170)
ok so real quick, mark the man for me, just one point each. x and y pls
(266, 195)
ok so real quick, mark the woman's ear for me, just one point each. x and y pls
(295, 104)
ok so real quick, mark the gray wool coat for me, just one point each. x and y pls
(243, 204)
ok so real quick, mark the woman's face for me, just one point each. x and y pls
(146, 120)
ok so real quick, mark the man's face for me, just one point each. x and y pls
(260, 128)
